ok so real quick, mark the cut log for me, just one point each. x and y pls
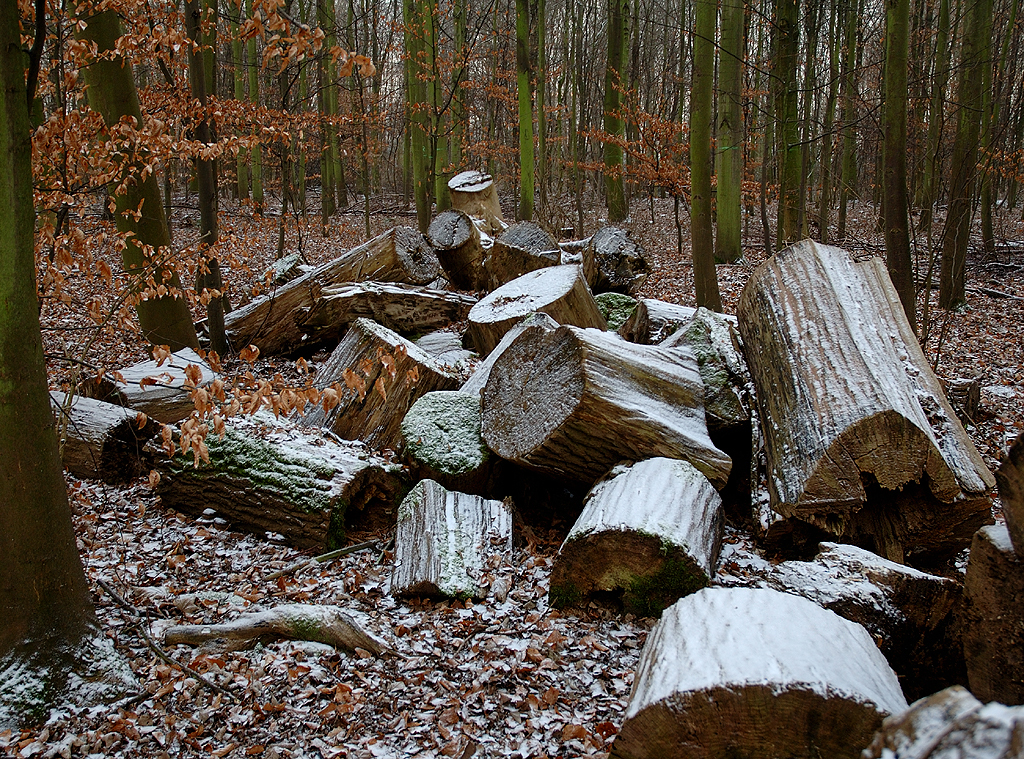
(449, 544)
(267, 476)
(649, 534)
(478, 380)
(102, 440)
(522, 248)
(161, 391)
(758, 674)
(861, 443)
(1011, 494)
(576, 402)
(951, 724)
(286, 269)
(445, 345)
(274, 322)
(474, 193)
(994, 624)
(456, 240)
(616, 308)
(580, 253)
(655, 320)
(620, 261)
(558, 291)
(320, 623)
(378, 375)
(964, 394)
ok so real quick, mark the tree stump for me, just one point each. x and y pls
(649, 534)
(758, 674)
(522, 248)
(478, 379)
(449, 544)
(558, 291)
(456, 240)
(653, 321)
(1011, 494)
(102, 440)
(620, 261)
(378, 375)
(964, 394)
(474, 193)
(860, 441)
(576, 402)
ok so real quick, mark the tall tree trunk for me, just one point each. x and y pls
(848, 169)
(458, 91)
(439, 131)
(839, 9)
(256, 172)
(526, 160)
(787, 107)
(542, 116)
(729, 164)
(614, 124)
(238, 79)
(936, 118)
(419, 120)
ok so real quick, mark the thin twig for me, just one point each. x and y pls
(329, 556)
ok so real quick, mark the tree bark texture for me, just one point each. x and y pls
(475, 193)
(620, 260)
(524, 90)
(522, 248)
(478, 379)
(614, 121)
(1010, 477)
(456, 241)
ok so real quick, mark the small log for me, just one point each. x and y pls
(620, 261)
(456, 240)
(274, 322)
(449, 544)
(649, 534)
(475, 193)
(478, 379)
(616, 308)
(653, 321)
(522, 248)
(580, 253)
(964, 394)
(161, 391)
(994, 619)
(320, 623)
(1011, 494)
(576, 401)
(102, 440)
(950, 724)
(381, 374)
(558, 291)
(445, 345)
(757, 674)
(286, 269)
(861, 443)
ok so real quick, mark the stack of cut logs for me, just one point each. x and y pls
(482, 355)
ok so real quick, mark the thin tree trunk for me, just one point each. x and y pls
(526, 159)
(256, 173)
(729, 164)
(787, 107)
(238, 79)
(848, 169)
(614, 124)
(837, 13)
(419, 120)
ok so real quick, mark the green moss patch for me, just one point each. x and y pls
(442, 432)
(616, 308)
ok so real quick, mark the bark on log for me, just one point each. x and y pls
(951, 724)
(649, 534)
(522, 248)
(380, 374)
(558, 291)
(456, 240)
(320, 623)
(445, 345)
(994, 619)
(102, 440)
(276, 478)
(580, 253)
(860, 441)
(578, 401)
(620, 261)
(449, 544)
(964, 394)
(474, 193)
(1011, 494)
(286, 269)
(758, 674)
(653, 321)
(274, 322)
(478, 379)
(162, 392)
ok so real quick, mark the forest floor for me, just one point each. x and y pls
(465, 679)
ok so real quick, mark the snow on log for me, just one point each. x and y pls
(649, 534)
(474, 193)
(274, 322)
(102, 440)
(558, 291)
(994, 619)
(331, 625)
(266, 475)
(383, 374)
(445, 345)
(478, 379)
(448, 543)
(861, 443)
(1011, 494)
(950, 724)
(576, 402)
(160, 390)
(620, 261)
(758, 674)
(456, 240)
(522, 248)
(655, 320)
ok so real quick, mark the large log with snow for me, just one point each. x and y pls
(1010, 477)
(558, 291)
(274, 322)
(475, 193)
(653, 321)
(576, 402)
(456, 240)
(522, 248)
(758, 674)
(861, 443)
(478, 379)
(620, 262)
(649, 534)
(449, 544)
(376, 376)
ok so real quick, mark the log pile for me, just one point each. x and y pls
(620, 263)
(460, 251)
(522, 248)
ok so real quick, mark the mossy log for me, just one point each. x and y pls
(474, 193)
(575, 402)
(267, 476)
(652, 321)
(102, 440)
(1010, 477)
(478, 379)
(162, 391)
(861, 443)
(950, 724)
(649, 534)
(449, 544)
(559, 291)
(381, 374)
(274, 322)
(758, 674)
(522, 248)
(620, 262)
(456, 240)
(994, 618)
(616, 308)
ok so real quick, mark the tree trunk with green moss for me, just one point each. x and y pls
(729, 157)
(526, 159)
(614, 124)
(256, 172)
(705, 279)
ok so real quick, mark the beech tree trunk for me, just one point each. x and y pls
(475, 193)
(653, 321)
(456, 240)
(522, 248)
(621, 262)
